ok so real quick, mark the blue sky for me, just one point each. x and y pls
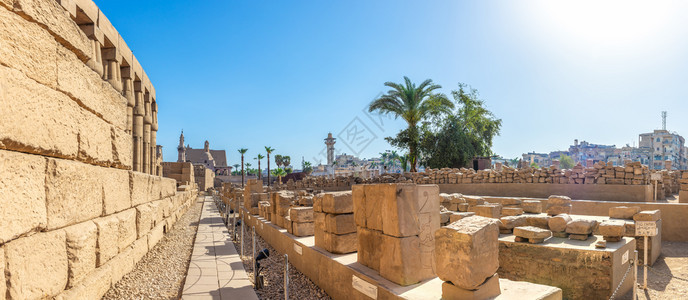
(246, 74)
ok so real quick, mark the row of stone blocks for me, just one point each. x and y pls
(42, 193)
(396, 225)
(84, 260)
(335, 228)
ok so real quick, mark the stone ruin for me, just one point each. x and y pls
(335, 227)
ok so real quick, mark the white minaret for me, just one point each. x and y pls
(182, 151)
(329, 141)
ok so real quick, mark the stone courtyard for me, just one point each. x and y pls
(88, 209)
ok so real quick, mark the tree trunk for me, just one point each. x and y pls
(242, 170)
(268, 169)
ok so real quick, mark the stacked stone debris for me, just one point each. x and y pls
(300, 221)
(467, 258)
(335, 227)
(280, 203)
(626, 216)
(253, 193)
(396, 225)
(683, 193)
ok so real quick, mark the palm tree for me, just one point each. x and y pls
(403, 160)
(248, 168)
(307, 167)
(236, 168)
(286, 160)
(413, 104)
(259, 157)
(279, 172)
(268, 150)
(242, 151)
(278, 160)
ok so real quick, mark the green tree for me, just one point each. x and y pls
(286, 160)
(403, 161)
(242, 151)
(307, 167)
(453, 140)
(414, 104)
(236, 169)
(269, 150)
(278, 160)
(279, 172)
(566, 162)
(534, 165)
(248, 168)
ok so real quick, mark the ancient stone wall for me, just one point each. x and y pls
(81, 199)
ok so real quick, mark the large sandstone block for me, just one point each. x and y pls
(467, 251)
(122, 154)
(558, 200)
(531, 206)
(301, 214)
(339, 224)
(37, 266)
(487, 211)
(127, 228)
(28, 48)
(558, 222)
(337, 202)
(54, 118)
(540, 221)
(121, 264)
(369, 247)
(74, 192)
(613, 228)
(488, 290)
(94, 286)
(51, 15)
(155, 235)
(358, 198)
(141, 186)
(22, 194)
(168, 186)
(303, 229)
(108, 238)
(336, 243)
(648, 215)
(580, 226)
(376, 195)
(407, 260)
(117, 196)
(409, 209)
(557, 209)
(3, 283)
(510, 222)
(81, 250)
(531, 232)
(80, 82)
(623, 212)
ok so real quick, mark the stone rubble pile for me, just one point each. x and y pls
(335, 227)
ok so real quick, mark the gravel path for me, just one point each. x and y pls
(668, 278)
(161, 273)
(300, 287)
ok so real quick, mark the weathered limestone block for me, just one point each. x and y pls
(648, 215)
(407, 260)
(487, 211)
(74, 192)
(127, 228)
(512, 211)
(473, 201)
(554, 210)
(336, 243)
(54, 118)
(168, 187)
(139, 249)
(339, 224)
(467, 251)
(558, 200)
(302, 229)
(55, 18)
(462, 207)
(614, 228)
(530, 232)
(81, 250)
(558, 222)
(122, 154)
(116, 193)
(301, 214)
(22, 186)
(156, 188)
(78, 81)
(376, 195)
(410, 210)
(460, 215)
(369, 247)
(108, 238)
(540, 221)
(3, 282)
(337, 202)
(510, 222)
(121, 264)
(580, 226)
(358, 198)
(166, 207)
(623, 212)
(37, 266)
(487, 290)
(141, 185)
(317, 203)
(28, 48)
(155, 235)
(94, 286)
(531, 206)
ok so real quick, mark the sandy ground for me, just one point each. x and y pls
(668, 278)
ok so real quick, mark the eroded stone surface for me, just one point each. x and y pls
(531, 232)
(580, 226)
(558, 222)
(37, 266)
(612, 228)
(81, 250)
(623, 212)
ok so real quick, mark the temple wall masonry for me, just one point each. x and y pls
(82, 199)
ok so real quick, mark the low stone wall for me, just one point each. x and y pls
(604, 192)
(674, 225)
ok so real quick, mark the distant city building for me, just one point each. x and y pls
(541, 159)
(581, 152)
(663, 145)
(215, 160)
